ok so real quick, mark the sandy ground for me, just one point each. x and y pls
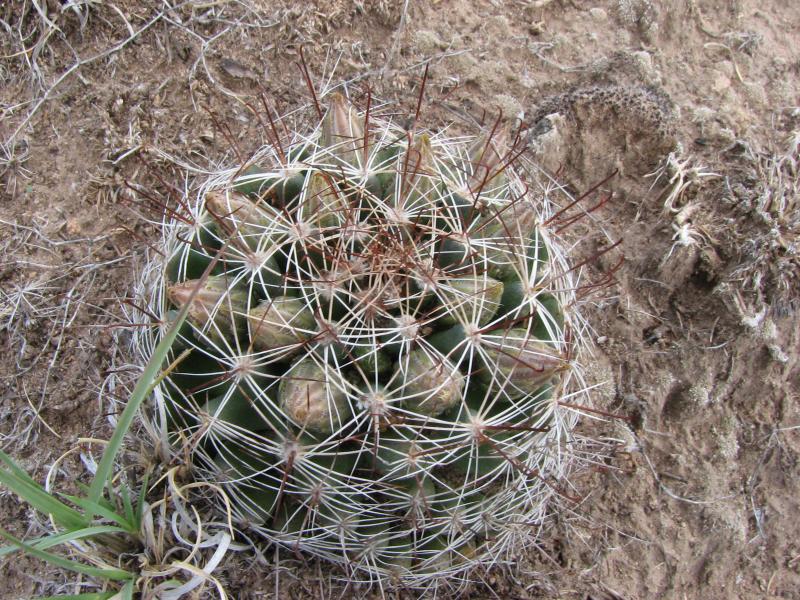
(692, 106)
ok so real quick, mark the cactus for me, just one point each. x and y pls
(372, 367)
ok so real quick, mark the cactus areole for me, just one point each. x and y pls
(372, 367)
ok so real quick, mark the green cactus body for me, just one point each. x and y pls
(185, 339)
(311, 399)
(469, 299)
(281, 188)
(199, 375)
(187, 262)
(323, 205)
(372, 359)
(280, 322)
(549, 322)
(235, 410)
(372, 370)
(432, 383)
(216, 310)
(511, 242)
(414, 501)
(519, 362)
(249, 480)
(399, 457)
(249, 224)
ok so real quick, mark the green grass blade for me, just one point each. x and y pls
(127, 591)
(130, 516)
(48, 541)
(97, 508)
(82, 487)
(141, 391)
(31, 492)
(16, 470)
(140, 501)
(103, 501)
(65, 563)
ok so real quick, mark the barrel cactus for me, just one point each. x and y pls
(377, 345)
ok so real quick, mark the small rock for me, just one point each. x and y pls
(74, 226)
(428, 42)
(508, 105)
(237, 70)
(644, 61)
(721, 82)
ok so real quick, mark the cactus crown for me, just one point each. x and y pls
(373, 367)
